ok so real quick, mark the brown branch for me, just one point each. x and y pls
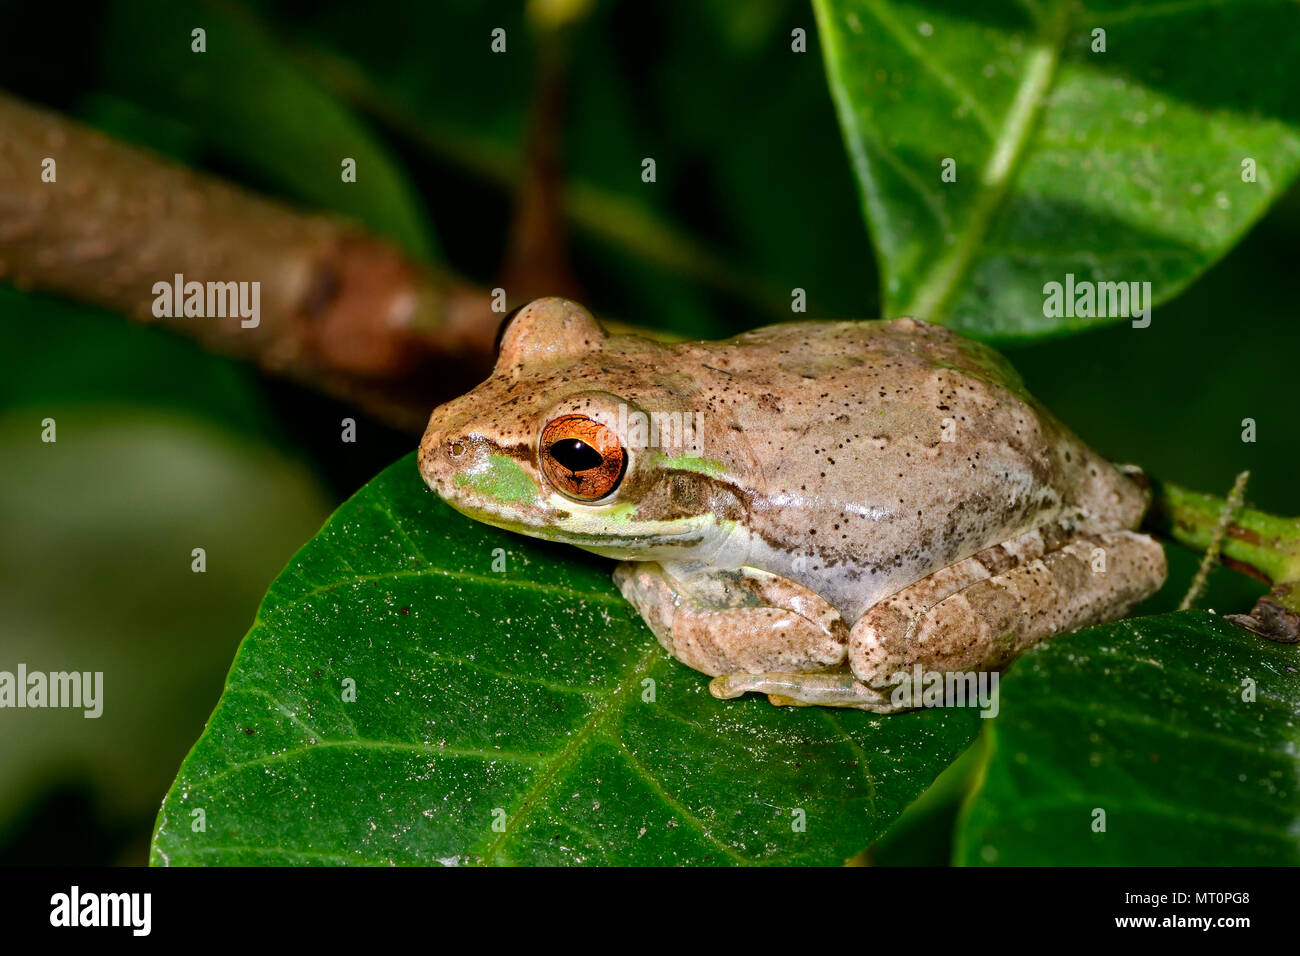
(536, 261)
(340, 310)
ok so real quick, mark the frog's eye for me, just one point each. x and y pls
(581, 458)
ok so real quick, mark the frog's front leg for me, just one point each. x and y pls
(742, 621)
(750, 630)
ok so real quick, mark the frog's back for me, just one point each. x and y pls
(867, 352)
(891, 449)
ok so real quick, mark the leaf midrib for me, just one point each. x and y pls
(935, 291)
(564, 758)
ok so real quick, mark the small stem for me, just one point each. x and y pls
(608, 216)
(1211, 556)
(1256, 543)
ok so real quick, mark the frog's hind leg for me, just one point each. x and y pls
(741, 621)
(892, 622)
(1029, 590)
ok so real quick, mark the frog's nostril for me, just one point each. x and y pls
(455, 449)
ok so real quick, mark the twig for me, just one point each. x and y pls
(1211, 556)
(537, 249)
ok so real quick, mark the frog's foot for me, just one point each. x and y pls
(831, 689)
(735, 622)
(980, 613)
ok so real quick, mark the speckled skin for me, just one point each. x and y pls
(835, 465)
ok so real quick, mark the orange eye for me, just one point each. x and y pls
(581, 457)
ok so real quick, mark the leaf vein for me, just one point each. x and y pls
(597, 718)
(938, 285)
(677, 806)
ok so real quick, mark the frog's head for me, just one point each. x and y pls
(557, 443)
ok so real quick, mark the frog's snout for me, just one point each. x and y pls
(452, 453)
(442, 451)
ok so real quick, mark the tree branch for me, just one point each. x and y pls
(340, 310)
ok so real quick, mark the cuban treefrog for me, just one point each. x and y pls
(808, 510)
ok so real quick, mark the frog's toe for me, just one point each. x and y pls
(834, 689)
(780, 700)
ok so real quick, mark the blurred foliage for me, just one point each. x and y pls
(161, 449)
(96, 564)
(755, 197)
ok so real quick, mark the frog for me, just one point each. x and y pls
(810, 510)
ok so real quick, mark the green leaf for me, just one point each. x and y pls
(1144, 720)
(1123, 165)
(534, 697)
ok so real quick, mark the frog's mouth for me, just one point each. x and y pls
(610, 530)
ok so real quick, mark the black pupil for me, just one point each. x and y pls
(575, 455)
